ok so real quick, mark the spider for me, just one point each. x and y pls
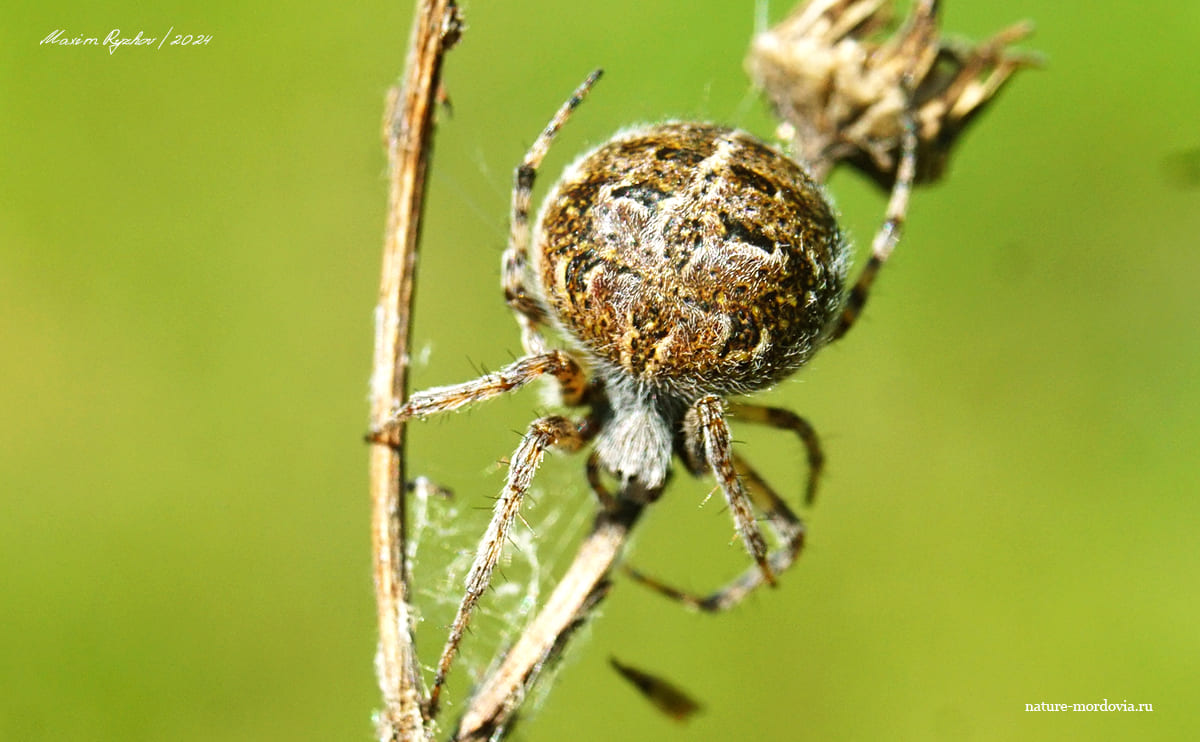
(687, 263)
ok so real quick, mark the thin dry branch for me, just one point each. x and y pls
(575, 598)
(407, 133)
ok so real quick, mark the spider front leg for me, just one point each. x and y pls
(708, 442)
(889, 233)
(514, 264)
(788, 529)
(543, 434)
(718, 452)
(777, 417)
(572, 382)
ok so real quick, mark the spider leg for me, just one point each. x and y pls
(788, 529)
(543, 434)
(529, 311)
(710, 413)
(777, 417)
(718, 451)
(889, 233)
(607, 499)
(571, 379)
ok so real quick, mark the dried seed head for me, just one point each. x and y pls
(691, 259)
(839, 86)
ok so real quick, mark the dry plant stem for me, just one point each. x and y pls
(502, 692)
(407, 135)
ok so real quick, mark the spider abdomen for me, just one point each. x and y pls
(692, 257)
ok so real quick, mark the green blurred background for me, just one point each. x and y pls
(189, 248)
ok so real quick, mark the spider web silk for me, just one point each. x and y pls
(444, 534)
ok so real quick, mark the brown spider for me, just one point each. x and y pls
(687, 262)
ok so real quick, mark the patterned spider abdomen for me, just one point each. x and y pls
(694, 258)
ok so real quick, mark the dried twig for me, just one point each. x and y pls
(574, 599)
(407, 133)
